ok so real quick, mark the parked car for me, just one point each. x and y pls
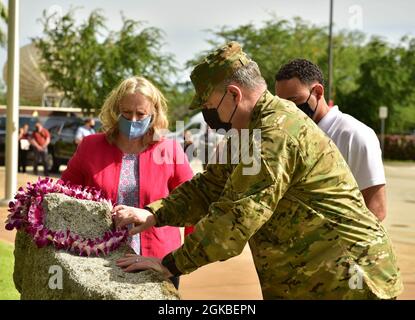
(62, 130)
(62, 145)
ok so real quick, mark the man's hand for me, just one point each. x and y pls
(125, 215)
(133, 262)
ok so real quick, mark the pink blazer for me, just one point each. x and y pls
(162, 167)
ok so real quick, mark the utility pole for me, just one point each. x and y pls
(383, 114)
(12, 127)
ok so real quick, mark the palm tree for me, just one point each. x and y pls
(3, 17)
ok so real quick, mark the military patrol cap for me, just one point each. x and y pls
(215, 68)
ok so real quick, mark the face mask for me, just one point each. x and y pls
(305, 107)
(134, 129)
(211, 117)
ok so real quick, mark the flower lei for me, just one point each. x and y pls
(26, 212)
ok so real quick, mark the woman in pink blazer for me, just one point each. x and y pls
(129, 163)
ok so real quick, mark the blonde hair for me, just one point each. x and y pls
(110, 111)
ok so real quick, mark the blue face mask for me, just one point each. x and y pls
(134, 129)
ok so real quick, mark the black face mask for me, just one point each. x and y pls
(305, 107)
(211, 117)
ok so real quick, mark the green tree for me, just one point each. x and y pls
(87, 61)
(4, 17)
(278, 41)
(386, 79)
(367, 74)
(179, 97)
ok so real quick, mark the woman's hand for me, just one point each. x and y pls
(125, 215)
(133, 262)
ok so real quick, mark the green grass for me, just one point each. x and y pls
(7, 289)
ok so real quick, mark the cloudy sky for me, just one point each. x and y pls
(185, 21)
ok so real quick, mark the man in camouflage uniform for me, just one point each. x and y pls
(306, 222)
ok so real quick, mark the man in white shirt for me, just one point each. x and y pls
(302, 82)
(86, 130)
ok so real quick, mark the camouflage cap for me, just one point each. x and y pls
(215, 68)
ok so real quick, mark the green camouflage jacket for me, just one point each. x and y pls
(310, 233)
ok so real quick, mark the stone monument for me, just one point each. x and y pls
(48, 273)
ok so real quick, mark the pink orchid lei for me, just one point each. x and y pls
(26, 212)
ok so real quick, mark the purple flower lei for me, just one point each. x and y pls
(26, 212)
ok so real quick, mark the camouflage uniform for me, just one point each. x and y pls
(306, 222)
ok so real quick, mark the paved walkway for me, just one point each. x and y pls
(237, 279)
